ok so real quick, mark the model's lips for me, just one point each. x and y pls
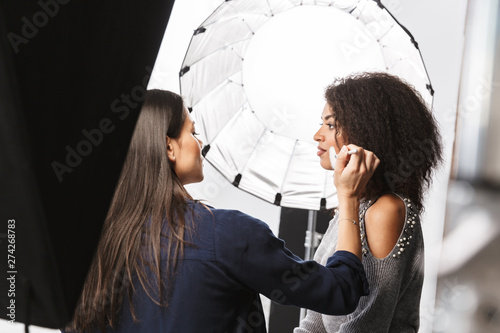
(321, 151)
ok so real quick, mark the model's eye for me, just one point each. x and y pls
(330, 126)
(194, 133)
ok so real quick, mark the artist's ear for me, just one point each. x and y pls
(170, 150)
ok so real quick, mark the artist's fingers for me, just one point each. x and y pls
(357, 159)
(371, 161)
(377, 162)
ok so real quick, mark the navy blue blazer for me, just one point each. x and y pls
(235, 257)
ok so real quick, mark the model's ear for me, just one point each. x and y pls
(170, 149)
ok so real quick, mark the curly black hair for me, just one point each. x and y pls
(384, 114)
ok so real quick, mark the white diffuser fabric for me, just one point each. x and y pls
(260, 137)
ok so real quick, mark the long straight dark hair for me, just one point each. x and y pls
(148, 195)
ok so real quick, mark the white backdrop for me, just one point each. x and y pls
(437, 27)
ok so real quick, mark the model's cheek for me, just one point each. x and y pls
(330, 143)
(325, 164)
(327, 159)
(333, 143)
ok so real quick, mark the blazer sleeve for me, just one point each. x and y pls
(247, 249)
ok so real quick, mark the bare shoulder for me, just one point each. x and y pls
(384, 221)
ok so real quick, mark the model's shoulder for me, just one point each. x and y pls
(388, 207)
(384, 221)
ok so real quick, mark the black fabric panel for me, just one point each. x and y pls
(72, 79)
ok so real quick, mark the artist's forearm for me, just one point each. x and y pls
(348, 237)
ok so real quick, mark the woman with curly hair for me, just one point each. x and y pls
(381, 113)
(168, 263)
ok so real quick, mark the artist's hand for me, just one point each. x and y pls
(352, 172)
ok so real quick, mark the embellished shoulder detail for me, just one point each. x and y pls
(362, 211)
(410, 221)
(406, 237)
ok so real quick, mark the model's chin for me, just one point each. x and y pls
(325, 162)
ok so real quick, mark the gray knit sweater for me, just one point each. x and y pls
(395, 283)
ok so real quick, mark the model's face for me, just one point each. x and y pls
(325, 137)
(185, 152)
